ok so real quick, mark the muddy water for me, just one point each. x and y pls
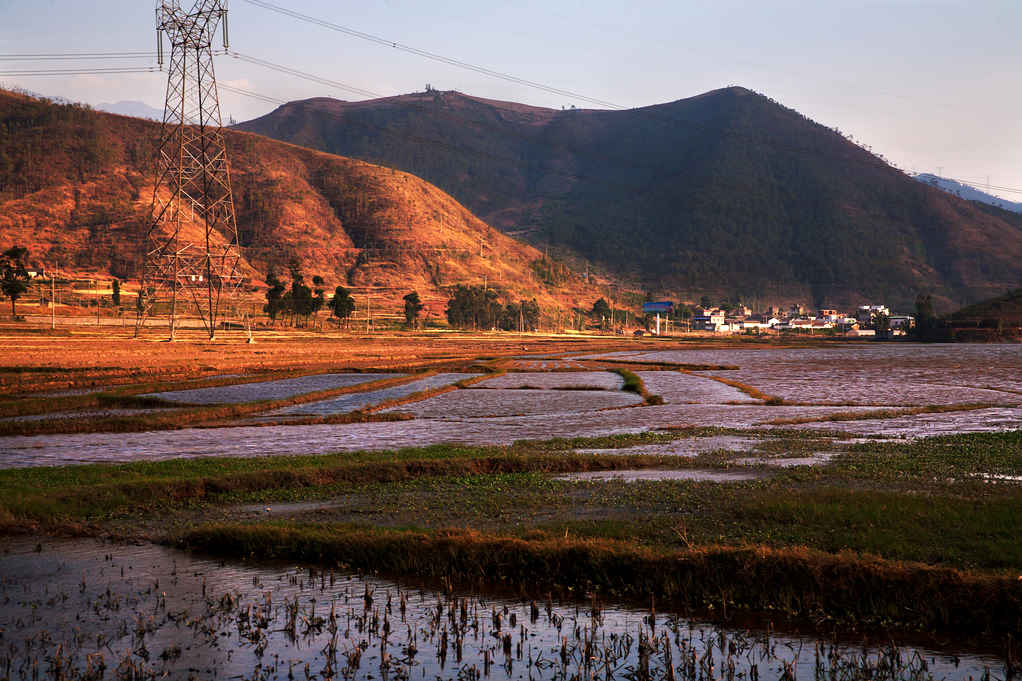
(148, 612)
(647, 474)
(678, 388)
(55, 450)
(555, 380)
(349, 403)
(878, 373)
(493, 403)
(883, 373)
(268, 390)
(949, 423)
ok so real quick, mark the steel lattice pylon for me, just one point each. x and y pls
(191, 244)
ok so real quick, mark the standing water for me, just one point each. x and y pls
(84, 609)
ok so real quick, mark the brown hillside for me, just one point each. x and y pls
(75, 187)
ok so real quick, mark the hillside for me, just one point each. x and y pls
(75, 187)
(726, 193)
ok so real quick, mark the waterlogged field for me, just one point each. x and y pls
(899, 374)
(267, 390)
(863, 492)
(88, 610)
(349, 403)
(887, 390)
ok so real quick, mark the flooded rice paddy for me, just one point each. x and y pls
(80, 609)
(555, 380)
(876, 373)
(835, 390)
(267, 390)
(356, 401)
(484, 403)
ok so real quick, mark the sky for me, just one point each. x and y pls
(932, 85)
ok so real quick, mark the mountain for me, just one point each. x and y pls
(968, 192)
(76, 185)
(727, 193)
(132, 108)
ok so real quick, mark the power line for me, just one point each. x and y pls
(249, 93)
(302, 74)
(79, 72)
(432, 55)
(71, 56)
(971, 183)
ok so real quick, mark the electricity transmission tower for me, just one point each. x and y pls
(191, 244)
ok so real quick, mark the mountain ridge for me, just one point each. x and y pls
(727, 192)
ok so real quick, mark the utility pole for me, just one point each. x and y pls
(193, 184)
(53, 300)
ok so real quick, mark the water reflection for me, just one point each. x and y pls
(147, 612)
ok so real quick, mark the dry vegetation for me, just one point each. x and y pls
(35, 362)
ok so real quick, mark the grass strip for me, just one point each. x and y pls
(793, 582)
(657, 365)
(76, 494)
(751, 391)
(635, 384)
(881, 414)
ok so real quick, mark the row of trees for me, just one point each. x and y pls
(299, 304)
(296, 305)
(479, 307)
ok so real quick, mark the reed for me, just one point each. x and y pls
(792, 582)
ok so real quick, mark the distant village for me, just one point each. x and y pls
(867, 320)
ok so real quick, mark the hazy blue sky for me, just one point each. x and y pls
(926, 83)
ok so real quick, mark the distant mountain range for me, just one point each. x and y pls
(728, 193)
(968, 192)
(132, 108)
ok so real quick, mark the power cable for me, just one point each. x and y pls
(302, 74)
(79, 72)
(249, 93)
(84, 56)
(432, 55)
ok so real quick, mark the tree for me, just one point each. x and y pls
(342, 304)
(881, 324)
(705, 302)
(474, 306)
(300, 299)
(601, 311)
(115, 297)
(413, 306)
(530, 315)
(274, 296)
(926, 320)
(14, 275)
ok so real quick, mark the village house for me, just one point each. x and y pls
(713, 321)
(865, 313)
